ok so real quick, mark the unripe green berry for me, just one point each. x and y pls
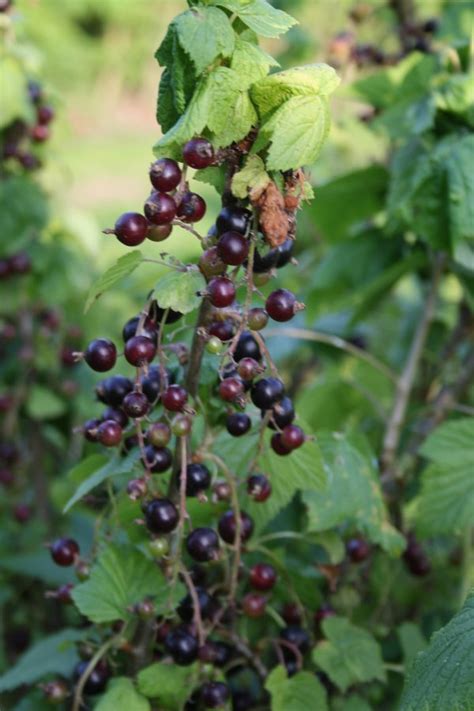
(181, 425)
(158, 547)
(214, 345)
(158, 434)
(257, 319)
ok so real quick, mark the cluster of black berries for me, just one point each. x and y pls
(19, 140)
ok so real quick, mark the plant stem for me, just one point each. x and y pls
(101, 652)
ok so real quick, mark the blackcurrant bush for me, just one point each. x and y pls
(175, 398)
(247, 347)
(221, 291)
(101, 355)
(139, 350)
(98, 678)
(214, 694)
(292, 437)
(165, 175)
(231, 389)
(233, 248)
(157, 460)
(182, 646)
(148, 329)
(136, 404)
(109, 433)
(131, 228)
(233, 219)
(228, 524)
(113, 389)
(263, 576)
(266, 392)
(281, 305)
(198, 479)
(207, 605)
(198, 153)
(160, 209)
(358, 550)
(64, 551)
(238, 424)
(161, 516)
(283, 413)
(254, 605)
(259, 487)
(202, 544)
(192, 208)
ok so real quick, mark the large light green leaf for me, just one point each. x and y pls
(180, 290)
(301, 692)
(169, 684)
(348, 654)
(55, 654)
(124, 266)
(43, 404)
(15, 104)
(250, 62)
(259, 16)
(353, 495)
(121, 694)
(252, 176)
(205, 34)
(442, 677)
(233, 113)
(446, 501)
(122, 577)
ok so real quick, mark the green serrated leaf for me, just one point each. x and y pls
(442, 677)
(215, 176)
(252, 176)
(55, 654)
(179, 290)
(122, 577)
(353, 495)
(250, 62)
(123, 267)
(205, 34)
(301, 692)
(412, 641)
(121, 694)
(260, 16)
(169, 684)
(43, 404)
(348, 654)
(233, 113)
(113, 467)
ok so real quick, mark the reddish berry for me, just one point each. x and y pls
(192, 208)
(160, 209)
(231, 389)
(358, 550)
(278, 445)
(40, 133)
(22, 513)
(158, 434)
(259, 487)
(165, 175)
(223, 330)
(257, 319)
(281, 305)
(254, 605)
(175, 398)
(101, 355)
(109, 433)
(198, 153)
(221, 291)
(227, 527)
(292, 437)
(263, 577)
(64, 551)
(233, 248)
(136, 405)
(45, 114)
(131, 228)
(248, 368)
(139, 350)
(202, 544)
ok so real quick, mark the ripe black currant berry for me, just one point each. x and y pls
(165, 175)
(248, 368)
(283, 414)
(221, 291)
(259, 487)
(233, 248)
(207, 605)
(223, 330)
(228, 524)
(322, 613)
(45, 114)
(136, 404)
(118, 416)
(238, 424)
(148, 329)
(263, 576)
(278, 446)
(281, 305)
(231, 389)
(109, 433)
(233, 219)
(202, 544)
(151, 383)
(161, 516)
(182, 646)
(247, 347)
(211, 263)
(214, 694)
(97, 680)
(266, 262)
(254, 605)
(64, 551)
(192, 208)
(198, 153)
(158, 434)
(159, 313)
(297, 636)
(198, 479)
(284, 253)
(101, 355)
(160, 209)
(358, 550)
(113, 389)
(292, 437)
(416, 558)
(90, 430)
(174, 398)
(131, 228)
(266, 392)
(139, 350)
(157, 460)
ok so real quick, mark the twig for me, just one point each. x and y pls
(188, 228)
(337, 342)
(101, 652)
(197, 618)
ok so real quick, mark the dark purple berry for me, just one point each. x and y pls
(202, 544)
(207, 605)
(175, 398)
(198, 479)
(254, 605)
(139, 350)
(182, 646)
(281, 305)
(228, 525)
(161, 516)
(223, 330)
(266, 262)
(233, 248)
(214, 694)
(131, 229)
(101, 355)
(148, 329)
(113, 389)
(263, 577)
(292, 437)
(231, 389)
(221, 291)
(238, 424)
(192, 208)
(97, 680)
(109, 433)
(160, 209)
(233, 219)
(247, 347)
(64, 551)
(165, 175)
(90, 430)
(198, 153)
(267, 392)
(259, 487)
(284, 253)
(283, 414)
(278, 446)
(116, 415)
(157, 459)
(358, 550)
(136, 404)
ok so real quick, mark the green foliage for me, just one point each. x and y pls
(15, 104)
(55, 654)
(19, 226)
(442, 677)
(123, 267)
(252, 176)
(259, 16)
(180, 290)
(205, 34)
(348, 654)
(170, 685)
(122, 694)
(353, 495)
(298, 693)
(446, 500)
(121, 578)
